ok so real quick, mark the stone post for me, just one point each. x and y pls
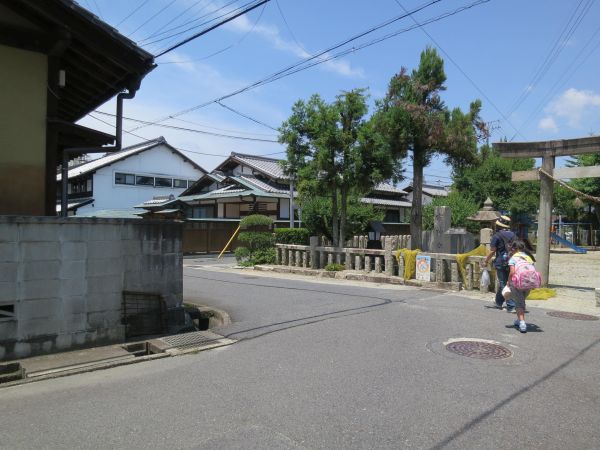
(441, 223)
(298, 259)
(378, 264)
(454, 272)
(598, 297)
(348, 259)
(357, 262)
(388, 257)
(313, 243)
(401, 267)
(322, 259)
(469, 276)
(329, 258)
(305, 259)
(367, 263)
(485, 237)
(439, 270)
(284, 256)
(277, 255)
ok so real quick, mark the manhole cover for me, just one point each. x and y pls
(478, 349)
(570, 315)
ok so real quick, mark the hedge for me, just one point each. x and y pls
(296, 236)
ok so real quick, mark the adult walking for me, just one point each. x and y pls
(500, 246)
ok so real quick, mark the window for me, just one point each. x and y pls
(144, 181)
(124, 178)
(180, 183)
(7, 311)
(163, 182)
(203, 212)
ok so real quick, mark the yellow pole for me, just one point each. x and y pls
(229, 242)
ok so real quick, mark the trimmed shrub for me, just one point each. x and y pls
(256, 220)
(335, 267)
(257, 239)
(296, 236)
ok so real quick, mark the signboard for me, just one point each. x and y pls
(423, 268)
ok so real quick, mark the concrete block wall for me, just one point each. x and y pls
(64, 278)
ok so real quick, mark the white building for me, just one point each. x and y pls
(114, 184)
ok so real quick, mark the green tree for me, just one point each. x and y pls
(317, 216)
(461, 206)
(490, 176)
(415, 120)
(590, 186)
(334, 150)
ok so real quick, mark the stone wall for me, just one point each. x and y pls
(62, 280)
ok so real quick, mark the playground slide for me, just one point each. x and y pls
(569, 244)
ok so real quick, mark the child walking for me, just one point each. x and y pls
(519, 254)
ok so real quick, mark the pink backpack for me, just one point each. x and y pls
(525, 276)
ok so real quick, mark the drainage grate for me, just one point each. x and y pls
(191, 340)
(478, 349)
(570, 315)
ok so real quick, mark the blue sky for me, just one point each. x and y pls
(533, 64)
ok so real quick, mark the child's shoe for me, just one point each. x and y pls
(522, 326)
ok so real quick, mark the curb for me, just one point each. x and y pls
(357, 276)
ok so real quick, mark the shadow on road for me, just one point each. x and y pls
(477, 420)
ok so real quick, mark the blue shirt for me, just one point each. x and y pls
(498, 244)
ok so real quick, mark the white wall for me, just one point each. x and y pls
(159, 161)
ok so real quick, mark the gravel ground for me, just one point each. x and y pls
(574, 276)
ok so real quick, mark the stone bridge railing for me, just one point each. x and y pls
(444, 267)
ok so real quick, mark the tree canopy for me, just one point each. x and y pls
(416, 122)
(334, 150)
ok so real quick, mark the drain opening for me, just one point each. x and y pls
(570, 315)
(138, 349)
(479, 349)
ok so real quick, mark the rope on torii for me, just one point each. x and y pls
(588, 197)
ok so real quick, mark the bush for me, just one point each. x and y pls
(242, 254)
(263, 256)
(296, 236)
(335, 267)
(256, 220)
(256, 239)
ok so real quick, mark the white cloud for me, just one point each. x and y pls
(548, 124)
(272, 35)
(574, 105)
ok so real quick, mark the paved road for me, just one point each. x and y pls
(326, 366)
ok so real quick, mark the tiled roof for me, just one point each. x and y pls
(111, 158)
(386, 187)
(75, 203)
(383, 202)
(263, 186)
(431, 190)
(114, 214)
(268, 166)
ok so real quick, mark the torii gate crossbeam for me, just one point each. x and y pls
(548, 151)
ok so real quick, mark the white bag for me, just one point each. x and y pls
(506, 292)
(484, 281)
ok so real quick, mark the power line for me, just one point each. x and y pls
(132, 13)
(275, 75)
(288, 27)
(156, 33)
(225, 48)
(206, 30)
(246, 116)
(192, 130)
(221, 129)
(458, 67)
(145, 140)
(565, 76)
(192, 6)
(153, 16)
(206, 22)
(554, 52)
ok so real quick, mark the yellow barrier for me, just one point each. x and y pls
(461, 260)
(229, 242)
(410, 261)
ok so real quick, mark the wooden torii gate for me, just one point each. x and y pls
(548, 151)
